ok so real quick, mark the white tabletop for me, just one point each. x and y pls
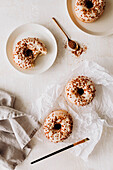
(28, 88)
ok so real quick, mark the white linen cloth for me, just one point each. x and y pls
(88, 121)
(16, 131)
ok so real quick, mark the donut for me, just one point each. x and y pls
(80, 91)
(27, 50)
(89, 10)
(58, 126)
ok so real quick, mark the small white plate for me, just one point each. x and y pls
(103, 26)
(43, 62)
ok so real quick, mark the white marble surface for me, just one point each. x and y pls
(28, 88)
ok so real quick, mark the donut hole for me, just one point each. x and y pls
(57, 126)
(80, 91)
(89, 4)
(27, 52)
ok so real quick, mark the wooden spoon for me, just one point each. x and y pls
(72, 44)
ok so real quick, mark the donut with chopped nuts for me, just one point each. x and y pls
(89, 10)
(27, 50)
(80, 91)
(58, 126)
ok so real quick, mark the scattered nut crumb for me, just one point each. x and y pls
(80, 50)
(65, 46)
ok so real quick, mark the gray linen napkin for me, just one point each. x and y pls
(16, 131)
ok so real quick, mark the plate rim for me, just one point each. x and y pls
(87, 33)
(35, 72)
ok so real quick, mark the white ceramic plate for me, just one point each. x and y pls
(33, 30)
(103, 26)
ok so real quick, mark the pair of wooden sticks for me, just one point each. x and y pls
(61, 150)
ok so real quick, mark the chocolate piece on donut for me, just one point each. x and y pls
(89, 10)
(27, 50)
(80, 91)
(58, 126)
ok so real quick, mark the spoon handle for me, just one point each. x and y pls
(60, 27)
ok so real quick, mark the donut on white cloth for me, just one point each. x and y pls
(58, 126)
(80, 91)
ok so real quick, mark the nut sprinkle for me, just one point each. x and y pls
(79, 51)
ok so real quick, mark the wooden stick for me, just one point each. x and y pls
(61, 150)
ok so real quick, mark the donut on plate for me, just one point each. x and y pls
(89, 10)
(80, 91)
(58, 126)
(27, 50)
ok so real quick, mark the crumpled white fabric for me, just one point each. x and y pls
(16, 131)
(88, 120)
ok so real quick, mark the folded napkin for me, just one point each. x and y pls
(16, 131)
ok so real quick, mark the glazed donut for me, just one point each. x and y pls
(58, 126)
(89, 10)
(26, 52)
(80, 91)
